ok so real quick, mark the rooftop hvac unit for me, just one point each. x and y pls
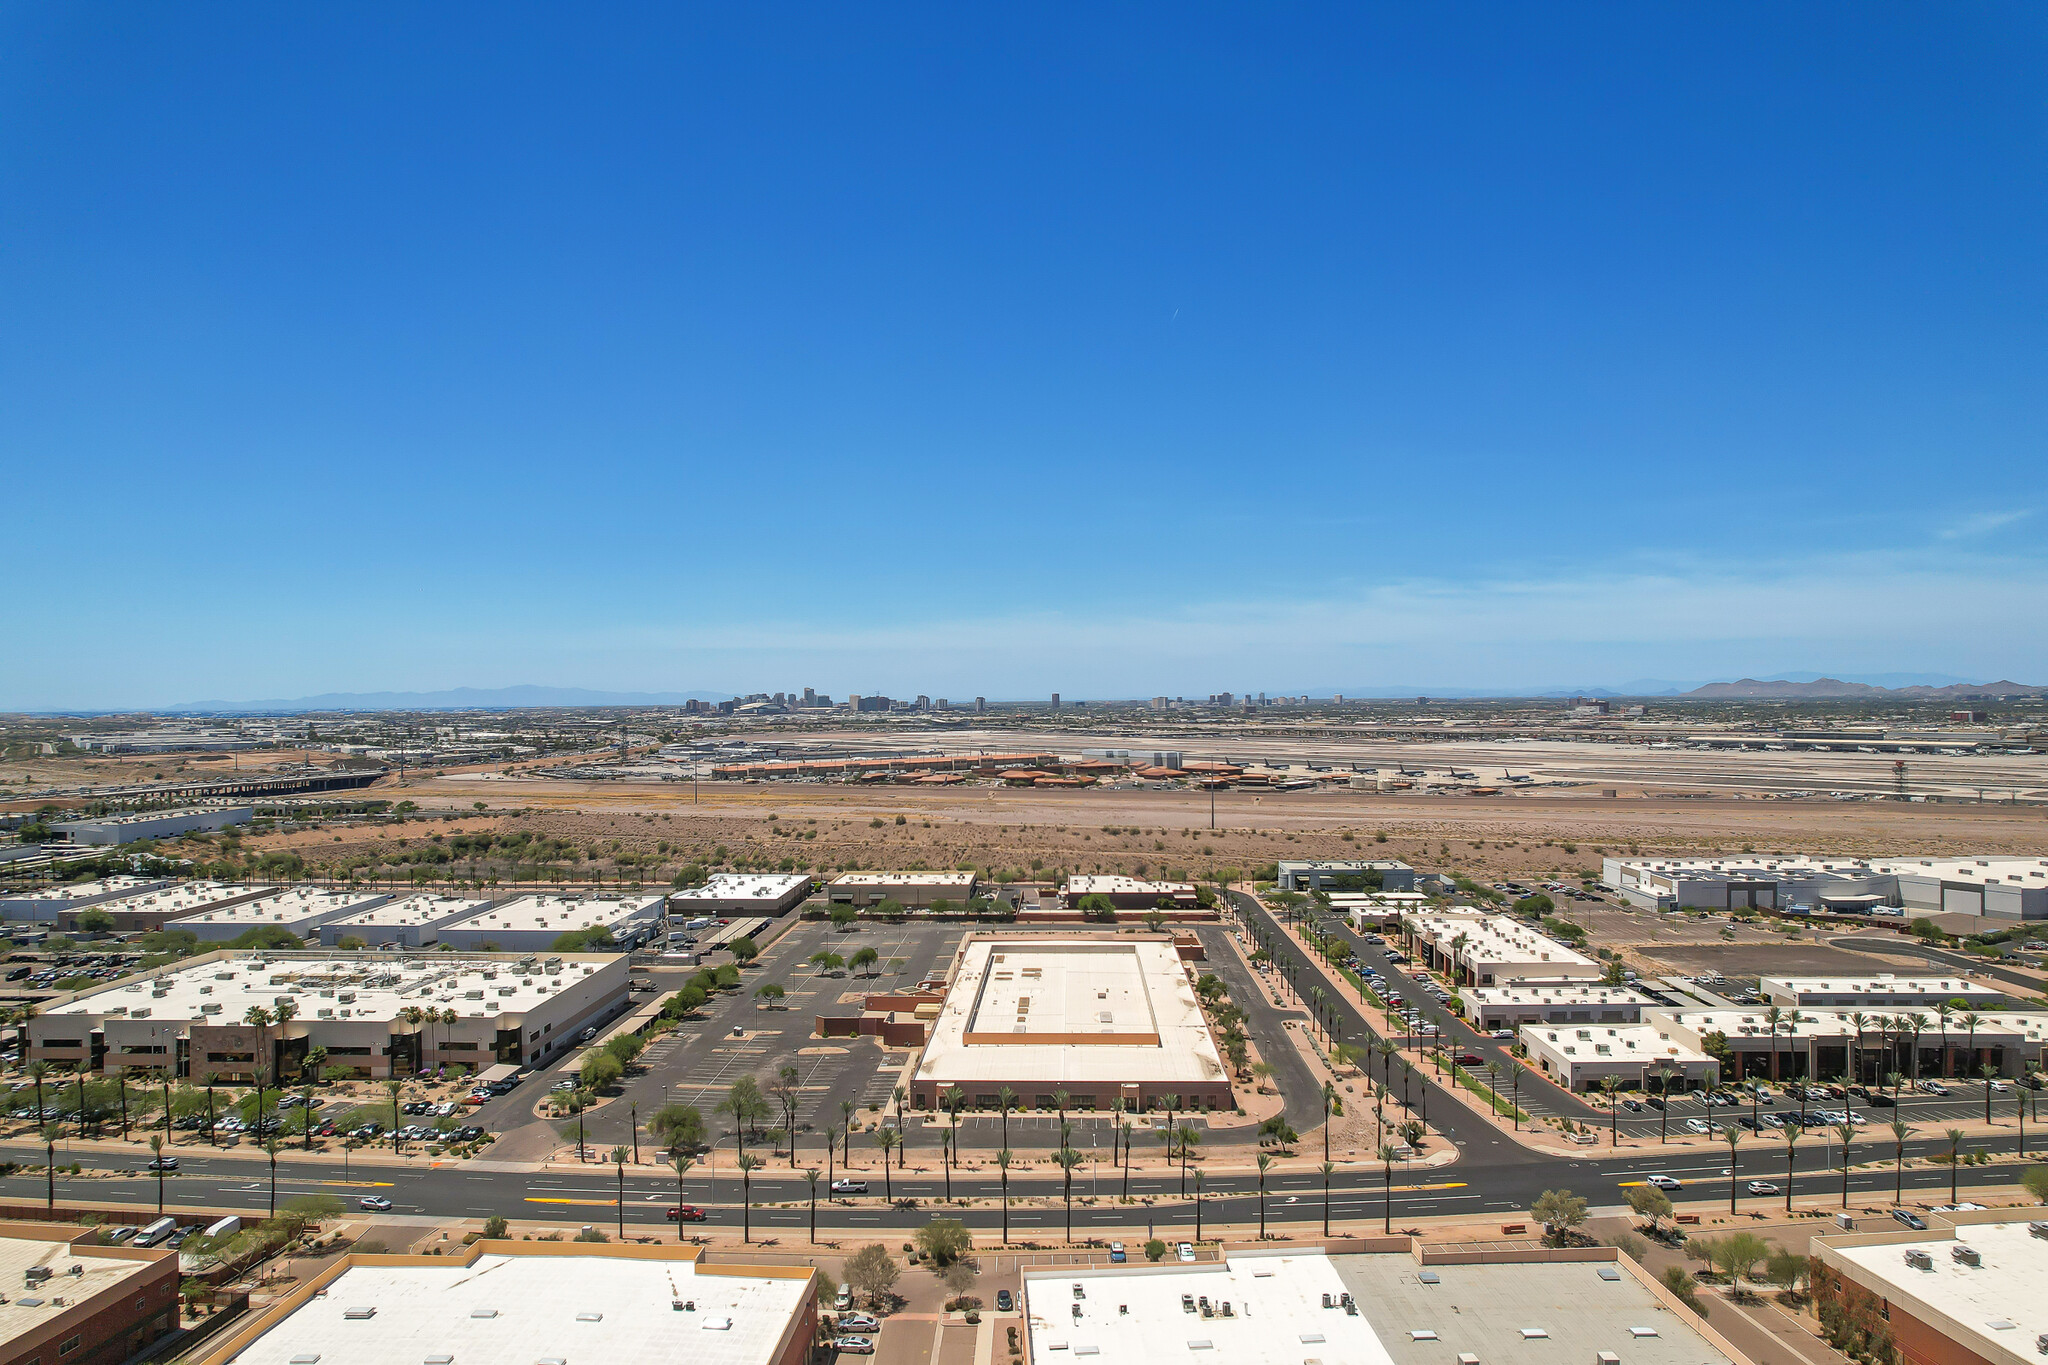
(214, 1008)
(2038, 1228)
(141, 1012)
(1963, 1254)
(1919, 1259)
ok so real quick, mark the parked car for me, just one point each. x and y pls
(1471, 1059)
(1632, 1105)
(857, 1346)
(1185, 1251)
(1933, 1088)
(1004, 1303)
(1910, 1219)
(1504, 1034)
(860, 1322)
(1116, 1251)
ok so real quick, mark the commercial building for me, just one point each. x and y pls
(1829, 1043)
(71, 1301)
(531, 924)
(912, 890)
(1129, 893)
(1491, 950)
(1962, 1292)
(1321, 875)
(191, 1021)
(515, 1303)
(1881, 991)
(298, 910)
(143, 911)
(162, 824)
(46, 905)
(1561, 1002)
(1106, 1019)
(1389, 1305)
(413, 922)
(1991, 888)
(1578, 1058)
(742, 893)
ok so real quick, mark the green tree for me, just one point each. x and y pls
(626, 1047)
(872, 1271)
(1155, 1250)
(1649, 1202)
(864, 957)
(495, 1227)
(771, 995)
(827, 962)
(599, 1071)
(1559, 1211)
(2035, 1181)
(745, 950)
(843, 917)
(944, 1240)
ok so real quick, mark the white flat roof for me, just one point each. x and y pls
(1277, 1314)
(62, 895)
(960, 879)
(1605, 1043)
(1833, 1023)
(1884, 983)
(174, 901)
(1496, 938)
(515, 1310)
(1106, 885)
(25, 1309)
(298, 905)
(473, 985)
(1997, 1307)
(1555, 993)
(2026, 871)
(1032, 1003)
(735, 886)
(412, 912)
(562, 914)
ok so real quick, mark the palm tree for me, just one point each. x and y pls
(1985, 1073)
(1007, 1099)
(900, 1132)
(1858, 1021)
(886, 1139)
(1774, 1018)
(1793, 1132)
(846, 1108)
(259, 1019)
(1731, 1135)
(810, 1178)
(747, 1165)
(38, 1069)
(1970, 1021)
(1329, 1107)
(51, 1132)
(1387, 1175)
(1846, 1131)
(1123, 1133)
(1003, 1167)
(682, 1162)
(1067, 1159)
(1955, 1143)
(156, 1151)
(619, 1155)
(1664, 1074)
(270, 1149)
(1327, 1170)
(392, 1089)
(1900, 1132)
(1610, 1084)
(1198, 1207)
(1915, 1023)
(1059, 1099)
(1942, 1013)
(1266, 1164)
(1171, 1104)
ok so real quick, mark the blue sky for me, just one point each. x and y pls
(1165, 349)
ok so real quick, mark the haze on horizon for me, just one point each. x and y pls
(988, 353)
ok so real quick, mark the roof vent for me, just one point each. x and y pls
(358, 1314)
(590, 1317)
(483, 1312)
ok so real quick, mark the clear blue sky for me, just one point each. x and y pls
(961, 351)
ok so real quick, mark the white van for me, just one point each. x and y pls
(156, 1232)
(701, 922)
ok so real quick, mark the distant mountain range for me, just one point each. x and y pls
(454, 699)
(1782, 689)
(1788, 685)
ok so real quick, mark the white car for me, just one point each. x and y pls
(376, 1202)
(1185, 1251)
(2000, 1088)
(1663, 1182)
(1761, 1187)
(1698, 1126)
(1503, 1033)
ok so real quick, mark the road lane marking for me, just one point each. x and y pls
(600, 1203)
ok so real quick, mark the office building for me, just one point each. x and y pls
(1326, 875)
(1561, 1002)
(191, 1021)
(70, 1301)
(531, 924)
(912, 890)
(142, 911)
(1130, 893)
(1106, 1019)
(1492, 950)
(1637, 1055)
(1989, 888)
(742, 893)
(1964, 1291)
(298, 910)
(414, 922)
(1863, 1045)
(517, 1303)
(1882, 991)
(47, 904)
(1391, 1305)
(161, 824)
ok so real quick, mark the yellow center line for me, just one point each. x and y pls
(1445, 1185)
(357, 1184)
(598, 1203)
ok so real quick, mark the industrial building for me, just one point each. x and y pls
(531, 924)
(518, 1302)
(742, 893)
(1990, 888)
(1390, 1304)
(191, 1021)
(1562, 1002)
(1965, 1291)
(1492, 950)
(1105, 1019)
(413, 922)
(160, 824)
(912, 890)
(1323, 875)
(141, 911)
(298, 910)
(1130, 893)
(46, 905)
(71, 1301)
(1578, 1058)
(1882, 991)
